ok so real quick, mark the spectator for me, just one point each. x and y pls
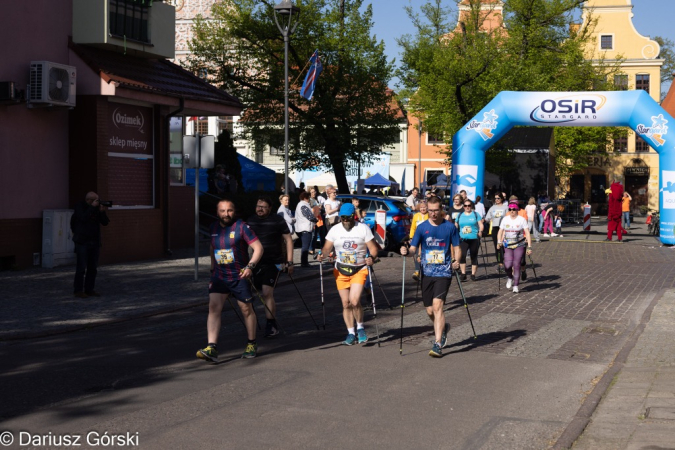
(85, 224)
(413, 199)
(625, 209)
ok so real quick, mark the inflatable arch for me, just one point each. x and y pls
(635, 109)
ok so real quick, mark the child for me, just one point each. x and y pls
(558, 225)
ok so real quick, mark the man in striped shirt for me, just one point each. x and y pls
(231, 270)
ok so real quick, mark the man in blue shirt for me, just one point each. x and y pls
(439, 243)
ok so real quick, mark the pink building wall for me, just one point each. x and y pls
(32, 179)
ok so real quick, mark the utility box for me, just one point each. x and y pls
(58, 248)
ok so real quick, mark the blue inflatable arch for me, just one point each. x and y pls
(635, 109)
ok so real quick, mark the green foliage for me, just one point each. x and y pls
(667, 53)
(574, 145)
(350, 116)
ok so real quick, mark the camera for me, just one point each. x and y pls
(106, 203)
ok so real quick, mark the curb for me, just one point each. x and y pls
(583, 416)
(21, 336)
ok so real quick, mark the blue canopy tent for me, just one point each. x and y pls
(377, 180)
(254, 176)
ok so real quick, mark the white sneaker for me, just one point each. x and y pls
(553, 235)
(515, 289)
(509, 283)
(546, 235)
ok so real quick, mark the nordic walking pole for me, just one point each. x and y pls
(535, 272)
(323, 305)
(265, 305)
(466, 305)
(480, 249)
(372, 294)
(303, 301)
(379, 285)
(400, 346)
(237, 314)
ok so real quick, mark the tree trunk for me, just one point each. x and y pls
(337, 162)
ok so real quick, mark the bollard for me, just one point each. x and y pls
(587, 218)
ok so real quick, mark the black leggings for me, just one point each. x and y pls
(469, 245)
(498, 252)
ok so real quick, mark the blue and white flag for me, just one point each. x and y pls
(313, 73)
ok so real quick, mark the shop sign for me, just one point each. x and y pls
(598, 161)
(639, 171)
(130, 129)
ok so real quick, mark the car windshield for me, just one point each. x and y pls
(401, 205)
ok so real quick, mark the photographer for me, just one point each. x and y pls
(85, 225)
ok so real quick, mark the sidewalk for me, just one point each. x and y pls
(638, 409)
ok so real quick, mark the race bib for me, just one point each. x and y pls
(224, 256)
(435, 257)
(454, 216)
(499, 213)
(466, 230)
(347, 257)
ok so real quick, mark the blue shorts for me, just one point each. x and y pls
(240, 289)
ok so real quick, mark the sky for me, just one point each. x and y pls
(650, 17)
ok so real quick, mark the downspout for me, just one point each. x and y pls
(167, 185)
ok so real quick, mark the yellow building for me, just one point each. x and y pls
(633, 161)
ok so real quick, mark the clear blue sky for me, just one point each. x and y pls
(650, 17)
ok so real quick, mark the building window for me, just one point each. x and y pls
(276, 151)
(203, 126)
(641, 145)
(621, 144)
(621, 82)
(434, 140)
(432, 176)
(129, 19)
(606, 42)
(642, 82)
(225, 123)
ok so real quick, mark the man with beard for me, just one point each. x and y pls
(230, 271)
(352, 242)
(272, 231)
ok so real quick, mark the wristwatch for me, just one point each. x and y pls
(289, 263)
(250, 266)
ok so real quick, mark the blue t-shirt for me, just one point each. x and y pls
(435, 244)
(468, 225)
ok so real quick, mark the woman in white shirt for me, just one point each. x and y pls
(513, 237)
(531, 210)
(492, 219)
(332, 208)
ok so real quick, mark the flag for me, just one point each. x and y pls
(313, 73)
(403, 182)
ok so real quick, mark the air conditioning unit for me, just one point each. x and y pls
(51, 84)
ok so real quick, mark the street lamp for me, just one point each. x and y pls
(286, 10)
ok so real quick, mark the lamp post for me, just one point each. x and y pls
(286, 10)
(419, 135)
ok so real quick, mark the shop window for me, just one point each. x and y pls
(129, 19)
(598, 186)
(642, 82)
(621, 144)
(606, 42)
(176, 167)
(641, 145)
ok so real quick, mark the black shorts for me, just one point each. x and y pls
(240, 289)
(265, 274)
(434, 287)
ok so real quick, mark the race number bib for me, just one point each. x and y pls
(499, 213)
(466, 230)
(347, 257)
(435, 257)
(224, 256)
(454, 216)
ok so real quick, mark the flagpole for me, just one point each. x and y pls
(286, 8)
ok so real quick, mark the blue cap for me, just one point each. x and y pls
(347, 209)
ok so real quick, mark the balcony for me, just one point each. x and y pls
(145, 29)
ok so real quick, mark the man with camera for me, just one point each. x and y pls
(85, 225)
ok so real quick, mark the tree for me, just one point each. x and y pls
(667, 53)
(450, 77)
(352, 115)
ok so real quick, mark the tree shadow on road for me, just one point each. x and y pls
(487, 339)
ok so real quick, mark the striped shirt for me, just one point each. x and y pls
(230, 249)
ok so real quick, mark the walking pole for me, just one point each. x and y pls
(264, 304)
(372, 293)
(237, 314)
(323, 305)
(480, 249)
(400, 346)
(466, 305)
(303, 301)
(535, 272)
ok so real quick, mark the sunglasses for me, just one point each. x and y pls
(513, 209)
(467, 206)
(498, 198)
(346, 218)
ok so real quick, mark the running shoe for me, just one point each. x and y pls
(251, 351)
(554, 235)
(462, 277)
(444, 335)
(509, 283)
(416, 275)
(547, 235)
(436, 351)
(473, 277)
(363, 338)
(515, 289)
(270, 330)
(523, 275)
(208, 354)
(351, 340)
